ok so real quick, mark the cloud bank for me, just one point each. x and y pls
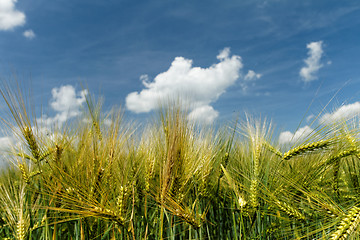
(199, 86)
(313, 64)
(66, 103)
(344, 112)
(289, 137)
(10, 17)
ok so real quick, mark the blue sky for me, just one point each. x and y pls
(226, 56)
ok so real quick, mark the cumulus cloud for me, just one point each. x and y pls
(251, 75)
(289, 137)
(313, 64)
(199, 86)
(224, 54)
(6, 142)
(344, 112)
(10, 17)
(66, 103)
(204, 114)
(29, 34)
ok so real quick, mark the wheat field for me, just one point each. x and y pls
(169, 178)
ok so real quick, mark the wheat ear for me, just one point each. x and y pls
(253, 199)
(306, 148)
(108, 214)
(24, 173)
(348, 225)
(20, 229)
(290, 210)
(121, 201)
(30, 139)
(341, 155)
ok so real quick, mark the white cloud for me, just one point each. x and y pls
(289, 137)
(344, 112)
(249, 78)
(251, 75)
(224, 54)
(312, 62)
(66, 103)
(29, 34)
(203, 114)
(6, 142)
(198, 86)
(108, 122)
(9, 16)
(145, 80)
(310, 118)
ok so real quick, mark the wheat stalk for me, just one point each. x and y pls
(272, 149)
